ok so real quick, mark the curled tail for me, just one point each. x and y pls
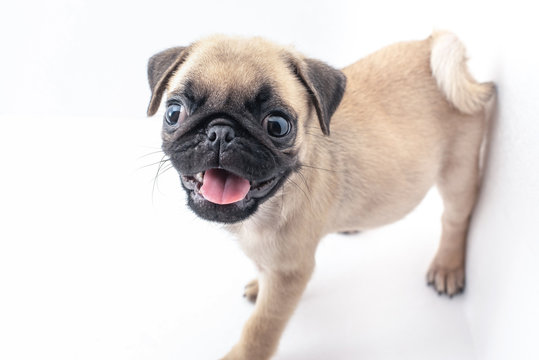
(448, 65)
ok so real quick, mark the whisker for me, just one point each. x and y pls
(303, 191)
(317, 168)
(302, 176)
(318, 130)
(170, 166)
(316, 135)
(150, 154)
(160, 162)
(159, 168)
(282, 200)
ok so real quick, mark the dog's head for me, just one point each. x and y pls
(236, 112)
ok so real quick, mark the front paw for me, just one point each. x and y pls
(251, 291)
(446, 280)
(243, 352)
(236, 354)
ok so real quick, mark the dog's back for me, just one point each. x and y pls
(401, 111)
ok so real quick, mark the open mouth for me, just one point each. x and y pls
(223, 187)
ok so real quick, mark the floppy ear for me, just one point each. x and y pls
(160, 69)
(325, 85)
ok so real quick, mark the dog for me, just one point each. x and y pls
(284, 149)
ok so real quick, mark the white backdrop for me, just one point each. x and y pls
(73, 83)
(87, 58)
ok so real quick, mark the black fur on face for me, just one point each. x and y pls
(230, 90)
(249, 152)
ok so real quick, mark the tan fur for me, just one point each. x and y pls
(411, 117)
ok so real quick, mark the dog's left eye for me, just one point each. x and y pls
(175, 113)
(276, 126)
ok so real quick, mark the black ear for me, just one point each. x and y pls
(326, 87)
(160, 68)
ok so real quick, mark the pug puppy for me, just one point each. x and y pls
(285, 149)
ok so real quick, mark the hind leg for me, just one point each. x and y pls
(458, 183)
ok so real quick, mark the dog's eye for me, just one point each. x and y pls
(276, 126)
(175, 113)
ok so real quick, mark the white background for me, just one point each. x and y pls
(97, 262)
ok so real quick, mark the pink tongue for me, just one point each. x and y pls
(222, 187)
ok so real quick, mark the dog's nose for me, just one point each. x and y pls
(221, 134)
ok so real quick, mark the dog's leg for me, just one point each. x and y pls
(251, 291)
(458, 183)
(458, 178)
(278, 296)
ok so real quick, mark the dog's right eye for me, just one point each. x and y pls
(175, 113)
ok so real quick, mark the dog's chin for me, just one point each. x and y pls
(227, 214)
(231, 213)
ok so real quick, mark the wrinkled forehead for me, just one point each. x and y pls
(225, 70)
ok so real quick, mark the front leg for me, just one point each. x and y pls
(278, 296)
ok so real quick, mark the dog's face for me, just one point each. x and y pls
(235, 116)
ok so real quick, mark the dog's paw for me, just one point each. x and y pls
(350, 232)
(237, 353)
(446, 280)
(251, 291)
